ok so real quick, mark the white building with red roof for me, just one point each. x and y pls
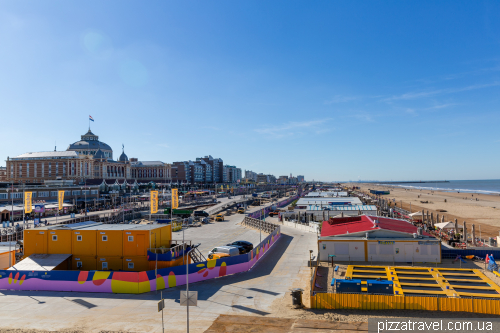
(374, 238)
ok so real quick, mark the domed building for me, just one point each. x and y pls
(90, 145)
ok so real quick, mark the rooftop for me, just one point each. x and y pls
(48, 154)
(366, 223)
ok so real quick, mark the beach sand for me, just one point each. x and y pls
(485, 213)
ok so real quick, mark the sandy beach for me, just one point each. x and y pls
(484, 213)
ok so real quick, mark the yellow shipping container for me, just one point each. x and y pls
(59, 242)
(35, 241)
(135, 242)
(135, 264)
(84, 263)
(109, 263)
(84, 243)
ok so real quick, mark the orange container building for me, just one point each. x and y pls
(84, 263)
(97, 246)
(34, 241)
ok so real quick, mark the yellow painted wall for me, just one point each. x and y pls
(381, 302)
(4, 259)
(166, 235)
(63, 243)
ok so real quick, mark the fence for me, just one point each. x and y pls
(311, 227)
(135, 282)
(267, 210)
(259, 224)
(452, 253)
(393, 302)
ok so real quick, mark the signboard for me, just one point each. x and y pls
(161, 305)
(386, 242)
(27, 202)
(154, 202)
(427, 243)
(39, 208)
(192, 299)
(37, 221)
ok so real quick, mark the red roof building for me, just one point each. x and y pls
(376, 239)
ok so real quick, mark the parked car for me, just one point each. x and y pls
(219, 217)
(215, 256)
(274, 213)
(201, 213)
(229, 250)
(241, 210)
(247, 245)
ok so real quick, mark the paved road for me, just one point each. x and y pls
(59, 219)
(249, 293)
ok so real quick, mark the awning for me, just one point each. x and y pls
(40, 262)
(447, 225)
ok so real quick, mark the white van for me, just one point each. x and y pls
(231, 250)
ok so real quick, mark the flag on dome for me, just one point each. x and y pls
(90, 118)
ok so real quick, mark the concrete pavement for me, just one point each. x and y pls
(251, 293)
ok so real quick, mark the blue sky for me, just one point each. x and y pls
(333, 90)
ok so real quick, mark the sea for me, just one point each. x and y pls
(487, 186)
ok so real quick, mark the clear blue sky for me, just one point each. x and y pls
(333, 90)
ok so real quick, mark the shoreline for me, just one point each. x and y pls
(480, 209)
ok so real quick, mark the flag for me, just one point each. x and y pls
(60, 197)
(90, 118)
(27, 202)
(175, 199)
(154, 202)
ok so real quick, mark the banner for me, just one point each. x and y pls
(175, 199)
(39, 208)
(27, 202)
(154, 202)
(60, 197)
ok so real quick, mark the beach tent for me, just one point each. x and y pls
(417, 216)
(446, 225)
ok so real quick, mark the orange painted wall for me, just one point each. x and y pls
(114, 263)
(35, 241)
(135, 243)
(87, 246)
(113, 247)
(140, 263)
(89, 263)
(63, 243)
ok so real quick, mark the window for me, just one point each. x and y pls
(16, 195)
(130, 265)
(54, 237)
(3, 195)
(67, 193)
(79, 264)
(104, 238)
(85, 192)
(104, 265)
(76, 192)
(53, 193)
(94, 192)
(43, 194)
(79, 238)
(130, 238)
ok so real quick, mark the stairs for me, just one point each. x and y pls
(196, 255)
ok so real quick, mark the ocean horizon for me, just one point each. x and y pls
(485, 186)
